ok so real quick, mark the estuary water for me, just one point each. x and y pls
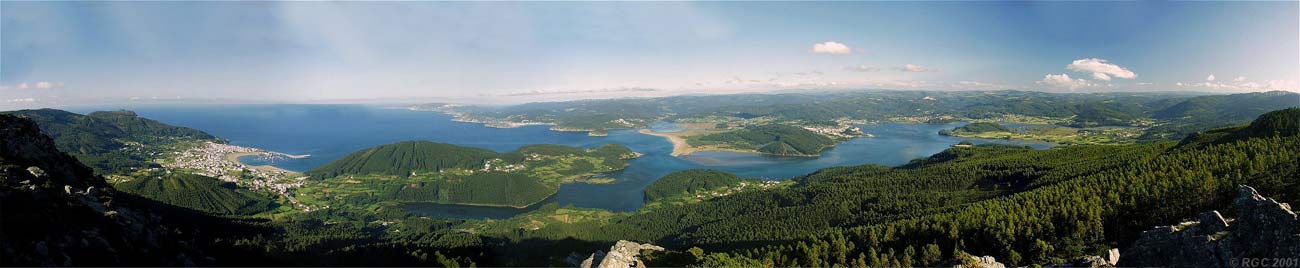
(328, 132)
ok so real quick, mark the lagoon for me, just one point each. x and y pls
(328, 132)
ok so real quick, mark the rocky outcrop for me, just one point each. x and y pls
(1264, 228)
(622, 255)
(969, 261)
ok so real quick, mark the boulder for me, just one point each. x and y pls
(969, 261)
(37, 172)
(622, 255)
(1112, 256)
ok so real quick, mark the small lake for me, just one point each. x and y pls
(328, 132)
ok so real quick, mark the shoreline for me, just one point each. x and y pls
(681, 147)
(234, 158)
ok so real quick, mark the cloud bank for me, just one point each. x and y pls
(1100, 69)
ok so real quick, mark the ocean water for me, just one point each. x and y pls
(328, 132)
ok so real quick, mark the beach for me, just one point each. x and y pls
(680, 147)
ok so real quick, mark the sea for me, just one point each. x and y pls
(328, 132)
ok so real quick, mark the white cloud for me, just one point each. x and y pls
(1240, 85)
(22, 100)
(1210, 78)
(1100, 69)
(1239, 79)
(831, 47)
(978, 85)
(35, 85)
(862, 68)
(913, 68)
(1062, 81)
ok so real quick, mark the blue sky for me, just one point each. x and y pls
(59, 53)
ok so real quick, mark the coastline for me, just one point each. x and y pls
(681, 147)
(234, 158)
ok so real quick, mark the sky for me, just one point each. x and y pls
(69, 53)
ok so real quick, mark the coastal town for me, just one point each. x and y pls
(221, 161)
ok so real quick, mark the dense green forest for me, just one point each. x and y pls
(424, 171)
(689, 182)
(772, 139)
(200, 193)
(403, 158)
(978, 127)
(109, 141)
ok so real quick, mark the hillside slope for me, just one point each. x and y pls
(689, 182)
(111, 141)
(199, 192)
(771, 139)
(403, 158)
(56, 212)
(424, 171)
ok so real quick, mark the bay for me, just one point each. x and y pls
(328, 132)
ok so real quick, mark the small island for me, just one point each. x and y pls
(425, 171)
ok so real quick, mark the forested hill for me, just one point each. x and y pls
(771, 139)
(1022, 206)
(107, 141)
(199, 192)
(978, 127)
(1278, 123)
(402, 158)
(689, 182)
(55, 212)
(101, 132)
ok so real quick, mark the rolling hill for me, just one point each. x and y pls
(111, 141)
(403, 158)
(771, 139)
(689, 182)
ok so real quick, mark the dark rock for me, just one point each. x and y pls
(1264, 228)
(1210, 223)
